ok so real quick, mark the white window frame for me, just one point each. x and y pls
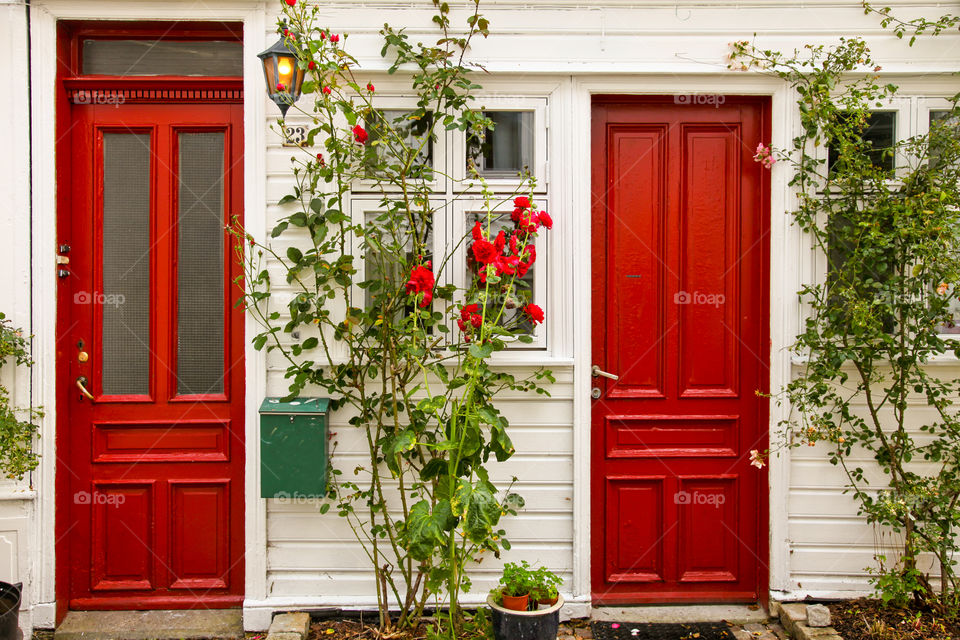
(458, 146)
(440, 164)
(901, 106)
(460, 228)
(921, 126)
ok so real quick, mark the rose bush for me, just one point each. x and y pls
(373, 320)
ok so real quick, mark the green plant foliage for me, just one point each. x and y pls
(361, 310)
(891, 239)
(17, 426)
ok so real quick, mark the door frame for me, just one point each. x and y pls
(785, 243)
(50, 115)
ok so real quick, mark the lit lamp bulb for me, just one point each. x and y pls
(285, 71)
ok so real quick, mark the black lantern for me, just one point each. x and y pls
(284, 78)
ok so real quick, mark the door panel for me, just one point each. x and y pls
(148, 326)
(680, 290)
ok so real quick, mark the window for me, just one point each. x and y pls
(941, 121)
(531, 288)
(516, 144)
(524, 287)
(507, 150)
(414, 130)
(154, 57)
(880, 135)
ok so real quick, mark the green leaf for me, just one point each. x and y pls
(294, 254)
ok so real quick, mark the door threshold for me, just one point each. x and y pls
(215, 624)
(679, 613)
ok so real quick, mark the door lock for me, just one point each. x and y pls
(595, 393)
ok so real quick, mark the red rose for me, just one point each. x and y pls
(506, 265)
(462, 324)
(320, 159)
(469, 310)
(521, 202)
(529, 254)
(522, 268)
(545, 219)
(326, 91)
(477, 231)
(529, 222)
(513, 243)
(311, 65)
(535, 313)
(334, 38)
(484, 251)
(476, 320)
(360, 134)
(323, 36)
(421, 281)
(291, 2)
(370, 87)
(500, 242)
(280, 86)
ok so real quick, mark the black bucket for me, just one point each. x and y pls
(525, 625)
(10, 595)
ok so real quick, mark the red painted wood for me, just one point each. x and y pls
(680, 313)
(150, 510)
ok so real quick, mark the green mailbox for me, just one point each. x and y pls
(293, 447)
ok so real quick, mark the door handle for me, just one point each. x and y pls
(597, 371)
(82, 385)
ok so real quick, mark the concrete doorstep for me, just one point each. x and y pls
(216, 624)
(796, 619)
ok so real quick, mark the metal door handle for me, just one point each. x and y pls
(82, 385)
(596, 371)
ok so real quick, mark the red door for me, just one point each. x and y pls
(680, 254)
(150, 353)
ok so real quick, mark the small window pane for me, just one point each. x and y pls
(415, 132)
(200, 277)
(941, 121)
(125, 302)
(880, 134)
(380, 239)
(507, 149)
(162, 58)
(524, 289)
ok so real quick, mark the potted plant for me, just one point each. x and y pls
(545, 589)
(513, 622)
(516, 584)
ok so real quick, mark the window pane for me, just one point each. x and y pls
(507, 149)
(880, 134)
(381, 240)
(524, 290)
(125, 302)
(162, 58)
(200, 304)
(941, 122)
(414, 131)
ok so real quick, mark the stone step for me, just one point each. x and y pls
(181, 624)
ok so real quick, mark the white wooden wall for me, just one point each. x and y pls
(560, 50)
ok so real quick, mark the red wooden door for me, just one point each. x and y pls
(152, 463)
(680, 254)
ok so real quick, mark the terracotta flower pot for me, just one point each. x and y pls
(548, 602)
(516, 603)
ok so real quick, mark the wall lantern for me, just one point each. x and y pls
(284, 78)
